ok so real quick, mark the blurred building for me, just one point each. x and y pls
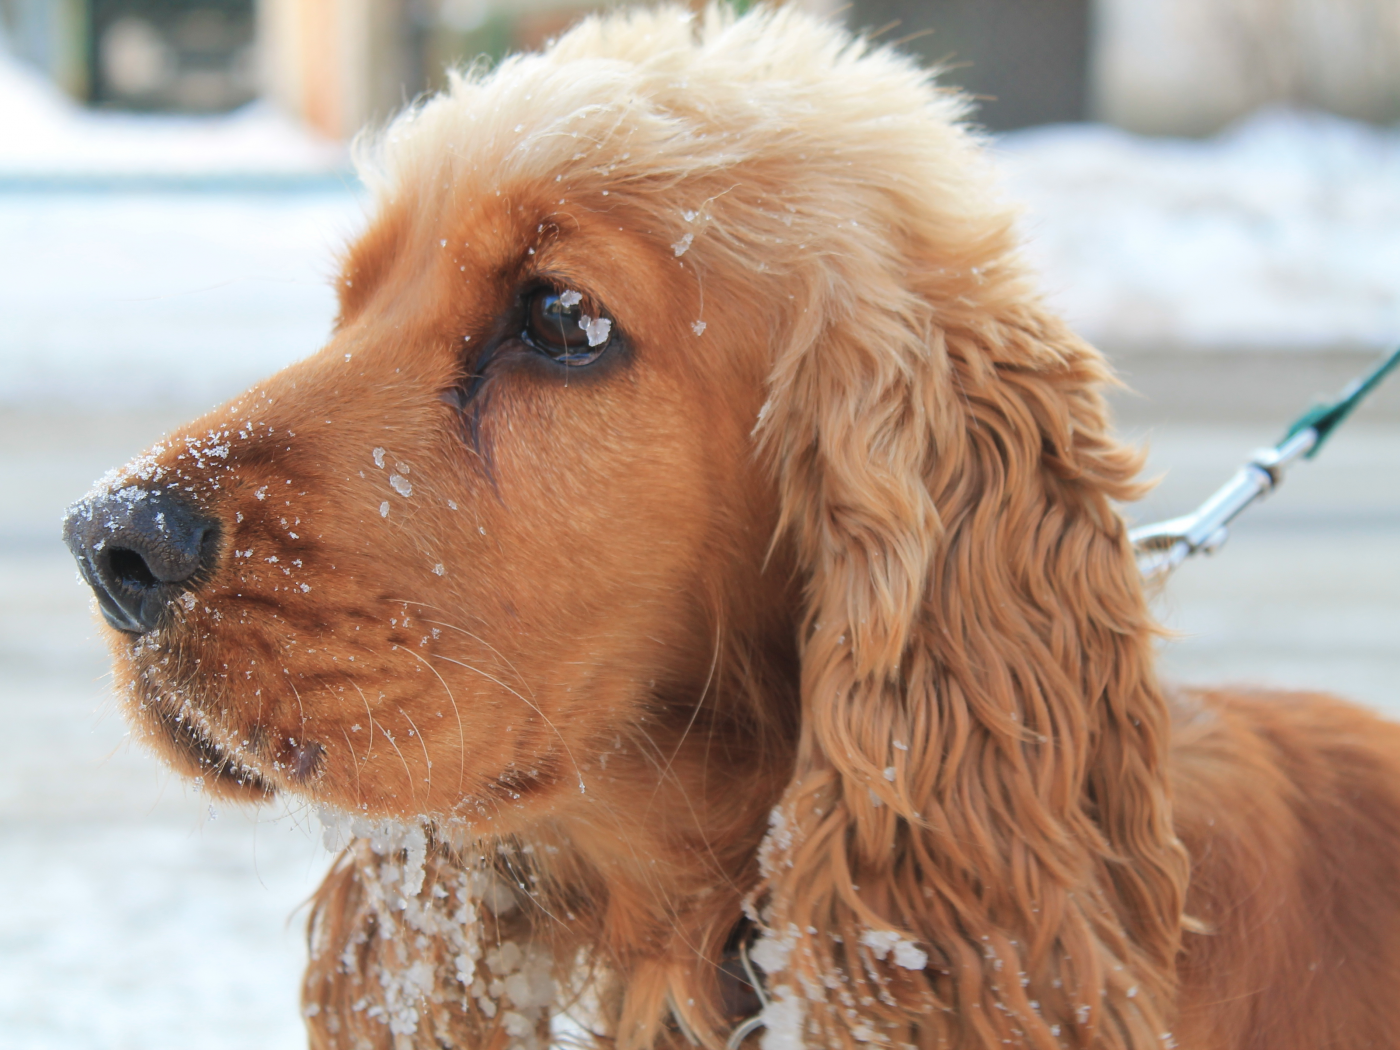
(1188, 67)
(1159, 66)
(1024, 61)
(53, 35)
(189, 55)
(342, 64)
(345, 63)
(1180, 67)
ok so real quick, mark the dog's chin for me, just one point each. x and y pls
(172, 720)
(189, 751)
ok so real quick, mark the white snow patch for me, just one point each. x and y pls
(505, 978)
(1281, 232)
(777, 843)
(401, 485)
(783, 1020)
(219, 290)
(46, 133)
(773, 949)
(596, 328)
(683, 245)
(570, 298)
(907, 954)
(698, 327)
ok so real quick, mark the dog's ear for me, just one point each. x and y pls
(979, 811)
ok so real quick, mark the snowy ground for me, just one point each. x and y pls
(1281, 233)
(130, 918)
(46, 137)
(158, 297)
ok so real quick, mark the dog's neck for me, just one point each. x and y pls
(649, 863)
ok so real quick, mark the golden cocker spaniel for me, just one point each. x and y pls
(691, 578)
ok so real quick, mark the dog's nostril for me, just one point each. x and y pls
(129, 568)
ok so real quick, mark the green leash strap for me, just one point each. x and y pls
(1162, 547)
(1325, 418)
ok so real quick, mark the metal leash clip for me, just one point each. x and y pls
(1163, 546)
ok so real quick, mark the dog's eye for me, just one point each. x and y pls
(557, 326)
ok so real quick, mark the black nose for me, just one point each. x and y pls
(138, 549)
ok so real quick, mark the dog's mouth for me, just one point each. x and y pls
(226, 771)
(214, 762)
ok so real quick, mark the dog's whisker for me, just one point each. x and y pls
(428, 762)
(532, 706)
(699, 703)
(407, 772)
(301, 712)
(461, 732)
(369, 713)
(359, 794)
(525, 684)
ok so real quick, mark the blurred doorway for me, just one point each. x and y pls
(190, 55)
(1025, 61)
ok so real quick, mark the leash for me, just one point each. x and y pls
(1162, 547)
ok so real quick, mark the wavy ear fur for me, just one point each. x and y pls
(981, 774)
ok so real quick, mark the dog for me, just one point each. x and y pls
(691, 577)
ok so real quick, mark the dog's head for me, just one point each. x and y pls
(689, 370)
(511, 502)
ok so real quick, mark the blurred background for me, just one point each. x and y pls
(1212, 193)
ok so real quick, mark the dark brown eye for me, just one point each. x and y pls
(557, 326)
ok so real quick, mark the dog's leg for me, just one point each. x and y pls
(401, 965)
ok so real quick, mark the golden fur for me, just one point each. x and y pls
(814, 595)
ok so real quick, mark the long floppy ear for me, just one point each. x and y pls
(980, 810)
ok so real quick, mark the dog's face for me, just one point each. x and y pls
(436, 566)
(514, 508)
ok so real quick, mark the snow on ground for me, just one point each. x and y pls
(1282, 232)
(157, 259)
(131, 298)
(43, 133)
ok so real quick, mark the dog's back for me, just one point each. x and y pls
(1289, 804)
